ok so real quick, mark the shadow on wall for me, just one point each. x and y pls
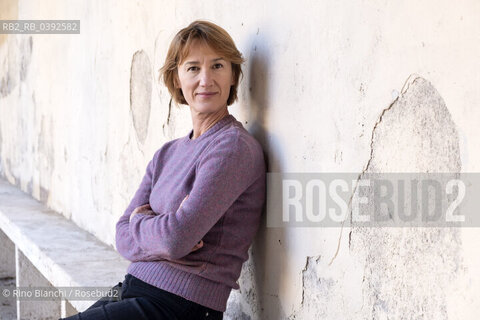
(253, 300)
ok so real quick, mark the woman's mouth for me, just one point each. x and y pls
(206, 94)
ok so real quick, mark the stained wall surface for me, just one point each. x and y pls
(329, 86)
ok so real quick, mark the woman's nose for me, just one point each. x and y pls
(206, 78)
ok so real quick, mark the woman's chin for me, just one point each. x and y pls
(205, 109)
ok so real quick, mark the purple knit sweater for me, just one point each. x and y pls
(223, 172)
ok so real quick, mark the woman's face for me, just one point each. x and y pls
(205, 79)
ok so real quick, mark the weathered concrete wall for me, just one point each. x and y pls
(329, 86)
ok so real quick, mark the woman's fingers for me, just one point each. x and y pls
(183, 201)
(145, 207)
(142, 208)
(197, 246)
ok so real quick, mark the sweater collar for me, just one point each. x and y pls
(217, 126)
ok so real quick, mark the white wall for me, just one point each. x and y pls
(81, 115)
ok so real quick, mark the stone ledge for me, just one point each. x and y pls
(65, 254)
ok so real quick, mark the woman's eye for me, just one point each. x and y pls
(192, 69)
(217, 66)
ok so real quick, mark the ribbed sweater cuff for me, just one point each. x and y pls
(192, 287)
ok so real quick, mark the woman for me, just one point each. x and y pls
(188, 228)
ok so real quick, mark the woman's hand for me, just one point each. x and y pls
(147, 210)
(144, 209)
(186, 197)
(197, 246)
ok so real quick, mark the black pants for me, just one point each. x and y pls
(140, 300)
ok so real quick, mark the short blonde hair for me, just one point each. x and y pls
(216, 38)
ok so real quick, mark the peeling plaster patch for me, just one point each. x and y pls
(170, 125)
(168, 131)
(418, 132)
(169, 111)
(317, 294)
(400, 156)
(408, 271)
(140, 93)
(26, 52)
(234, 311)
(305, 269)
(243, 303)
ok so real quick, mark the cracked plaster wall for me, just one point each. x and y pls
(406, 273)
(326, 88)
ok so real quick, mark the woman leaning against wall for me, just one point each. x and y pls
(189, 225)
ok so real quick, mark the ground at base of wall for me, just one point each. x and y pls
(8, 310)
